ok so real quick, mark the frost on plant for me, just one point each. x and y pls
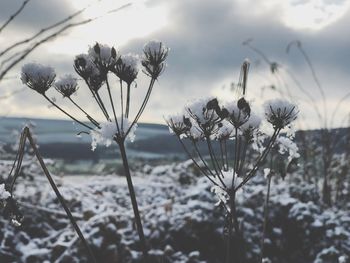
(38, 77)
(66, 85)
(109, 132)
(3, 193)
(280, 113)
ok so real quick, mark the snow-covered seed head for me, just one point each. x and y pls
(84, 66)
(38, 77)
(224, 130)
(11, 211)
(66, 85)
(103, 56)
(127, 67)
(238, 112)
(155, 54)
(179, 124)
(204, 113)
(250, 126)
(280, 113)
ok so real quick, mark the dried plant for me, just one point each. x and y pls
(210, 122)
(95, 68)
(8, 202)
(329, 139)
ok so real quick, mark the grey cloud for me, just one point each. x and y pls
(36, 14)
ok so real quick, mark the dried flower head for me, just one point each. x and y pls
(224, 131)
(280, 113)
(250, 127)
(155, 53)
(204, 113)
(179, 124)
(38, 77)
(127, 67)
(66, 85)
(103, 56)
(84, 66)
(238, 112)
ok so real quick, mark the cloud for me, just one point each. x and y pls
(36, 14)
(206, 38)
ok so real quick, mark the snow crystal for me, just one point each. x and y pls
(3, 193)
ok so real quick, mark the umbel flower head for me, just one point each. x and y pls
(66, 85)
(103, 56)
(204, 112)
(179, 124)
(280, 113)
(250, 126)
(154, 55)
(127, 67)
(38, 77)
(238, 112)
(84, 66)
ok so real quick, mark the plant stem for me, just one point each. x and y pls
(59, 196)
(70, 116)
(127, 102)
(92, 120)
(133, 198)
(266, 213)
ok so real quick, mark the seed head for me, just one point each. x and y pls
(38, 77)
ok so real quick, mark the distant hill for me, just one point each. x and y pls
(58, 139)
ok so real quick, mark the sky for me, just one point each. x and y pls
(206, 51)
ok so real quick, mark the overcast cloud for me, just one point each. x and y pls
(205, 38)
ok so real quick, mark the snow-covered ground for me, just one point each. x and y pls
(181, 221)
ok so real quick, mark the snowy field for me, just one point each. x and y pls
(181, 221)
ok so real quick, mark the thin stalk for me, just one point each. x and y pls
(59, 196)
(98, 100)
(143, 106)
(127, 102)
(222, 155)
(213, 157)
(225, 150)
(202, 159)
(196, 164)
(260, 160)
(266, 213)
(133, 199)
(112, 104)
(102, 106)
(70, 116)
(122, 99)
(91, 119)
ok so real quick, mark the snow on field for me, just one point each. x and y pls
(181, 221)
